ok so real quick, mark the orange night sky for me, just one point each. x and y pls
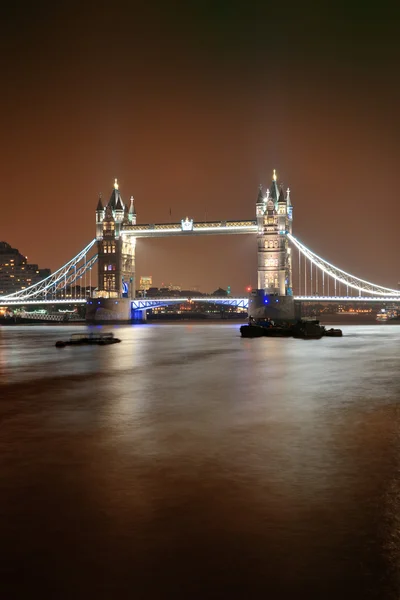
(191, 106)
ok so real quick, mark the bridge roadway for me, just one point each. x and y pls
(239, 302)
(243, 302)
(189, 227)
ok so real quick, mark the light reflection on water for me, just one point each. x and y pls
(226, 466)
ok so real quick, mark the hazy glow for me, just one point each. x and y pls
(76, 267)
(354, 282)
(346, 298)
(61, 278)
(170, 231)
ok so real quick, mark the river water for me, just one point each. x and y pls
(187, 462)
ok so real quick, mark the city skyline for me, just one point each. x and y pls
(191, 110)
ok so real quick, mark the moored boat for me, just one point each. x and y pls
(254, 330)
(88, 339)
(308, 330)
(251, 331)
(333, 332)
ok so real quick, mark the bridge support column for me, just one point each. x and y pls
(139, 315)
(272, 306)
(108, 310)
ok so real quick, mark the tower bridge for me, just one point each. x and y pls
(113, 251)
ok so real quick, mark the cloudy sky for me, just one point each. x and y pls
(191, 105)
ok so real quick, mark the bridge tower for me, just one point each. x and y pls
(274, 218)
(274, 290)
(116, 252)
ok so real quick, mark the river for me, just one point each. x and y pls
(187, 462)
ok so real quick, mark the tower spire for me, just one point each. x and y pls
(100, 203)
(116, 186)
(260, 197)
(273, 190)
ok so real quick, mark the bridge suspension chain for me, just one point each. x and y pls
(338, 275)
(59, 280)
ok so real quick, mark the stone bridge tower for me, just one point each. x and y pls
(274, 219)
(274, 296)
(116, 252)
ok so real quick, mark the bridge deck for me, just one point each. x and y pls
(232, 300)
(188, 227)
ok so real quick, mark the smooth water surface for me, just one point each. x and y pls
(187, 462)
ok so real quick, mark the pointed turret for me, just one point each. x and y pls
(115, 196)
(281, 196)
(132, 212)
(288, 197)
(273, 190)
(99, 217)
(118, 204)
(260, 197)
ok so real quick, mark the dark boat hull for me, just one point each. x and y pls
(303, 330)
(251, 331)
(255, 331)
(95, 341)
(308, 336)
(333, 333)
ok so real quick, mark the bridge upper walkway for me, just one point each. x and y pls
(318, 273)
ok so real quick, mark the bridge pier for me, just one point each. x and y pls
(273, 306)
(108, 310)
(139, 316)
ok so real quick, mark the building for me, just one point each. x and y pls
(146, 282)
(274, 219)
(15, 271)
(116, 253)
(273, 297)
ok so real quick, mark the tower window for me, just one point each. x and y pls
(109, 247)
(109, 282)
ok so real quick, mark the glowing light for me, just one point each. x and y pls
(274, 175)
(216, 230)
(187, 224)
(346, 298)
(116, 186)
(349, 280)
(145, 304)
(59, 279)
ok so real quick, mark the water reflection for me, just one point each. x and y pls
(226, 466)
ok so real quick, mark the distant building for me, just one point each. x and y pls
(220, 292)
(171, 287)
(15, 271)
(146, 282)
